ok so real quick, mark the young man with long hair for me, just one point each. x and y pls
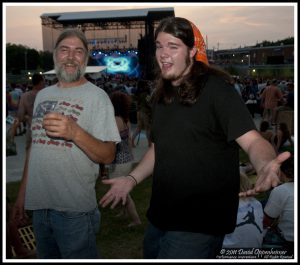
(198, 124)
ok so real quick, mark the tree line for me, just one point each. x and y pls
(20, 58)
(287, 41)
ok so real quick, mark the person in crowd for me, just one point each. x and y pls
(261, 101)
(103, 171)
(8, 101)
(281, 137)
(142, 96)
(15, 95)
(288, 98)
(26, 105)
(11, 132)
(24, 114)
(237, 86)
(271, 97)
(13, 241)
(288, 104)
(247, 168)
(122, 163)
(279, 210)
(248, 232)
(198, 124)
(264, 130)
(251, 104)
(73, 131)
(14, 245)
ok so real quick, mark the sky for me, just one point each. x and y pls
(223, 26)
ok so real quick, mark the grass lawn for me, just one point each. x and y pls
(116, 240)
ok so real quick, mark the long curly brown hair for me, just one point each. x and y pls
(121, 103)
(193, 83)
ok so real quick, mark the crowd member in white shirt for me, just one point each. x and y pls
(279, 210)
(249, 224)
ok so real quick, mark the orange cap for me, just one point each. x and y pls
(200, 45)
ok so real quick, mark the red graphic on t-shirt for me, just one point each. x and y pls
(39, 136)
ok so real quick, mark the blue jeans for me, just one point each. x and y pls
(159, 244)
(66, 235)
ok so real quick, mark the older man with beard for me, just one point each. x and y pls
(73, 130)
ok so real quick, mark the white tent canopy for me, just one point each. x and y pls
(94, 72)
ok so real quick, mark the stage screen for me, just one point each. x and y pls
(119, 62)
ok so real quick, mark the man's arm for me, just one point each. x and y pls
(21, 109)
(121, 186)
(268, 221)
(95, 149)
(59, 125)
(18, 211)
(263, 157)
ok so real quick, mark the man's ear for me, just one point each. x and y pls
(193, 51)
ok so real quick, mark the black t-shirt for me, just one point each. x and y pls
(196, 171)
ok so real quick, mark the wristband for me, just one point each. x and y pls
(132, 178)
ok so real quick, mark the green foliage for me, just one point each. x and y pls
(46, 60)
(20, 58)
(265, 43)
(15, 58)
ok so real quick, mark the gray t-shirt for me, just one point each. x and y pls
(61, 176)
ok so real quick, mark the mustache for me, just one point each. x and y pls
(69, 61)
